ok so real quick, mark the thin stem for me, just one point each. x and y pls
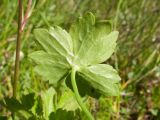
(117, 13)
(18, 44)
(78, 97)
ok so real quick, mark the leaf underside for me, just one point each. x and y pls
(87, 44)
(103, 78)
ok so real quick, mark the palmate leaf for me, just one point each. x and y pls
(87, 44)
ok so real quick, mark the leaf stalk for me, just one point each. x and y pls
(78, 97)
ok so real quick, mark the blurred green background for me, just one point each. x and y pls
(137, 57)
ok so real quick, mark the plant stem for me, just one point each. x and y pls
(78, 97)
(18, 44)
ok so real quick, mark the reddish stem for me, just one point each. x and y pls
(27, 15)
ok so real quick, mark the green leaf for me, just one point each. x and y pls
(102, 77)
(55, 41)
(68, 101)
(105, 26)
(61, 115)
(51, 72)
(13, 104)
(54, 63)
(28, 100)
(3, 118)
(83, 86)
(32, 118)
(63, 38)
(38, 108)
(47, 100)
(41, 57)
(91, 41)
(50, 67)
(97, 48)
(88, 44)
(79, 31)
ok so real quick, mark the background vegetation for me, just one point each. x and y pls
(137, 57)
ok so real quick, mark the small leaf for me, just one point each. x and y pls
(53, 64)
(33, 118)
(51, 72)
(41, 57)
(28, 100)
(13, 104)
(102, 77)
(68, 101)
(79, 31)
(55, 41)
(83, 86)
(61, 115)
(3, 118)
(105, 26)
(92, 44)
(62, 37)
(47, 100)
(50, 67)
(97, 48)
(38, 107)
